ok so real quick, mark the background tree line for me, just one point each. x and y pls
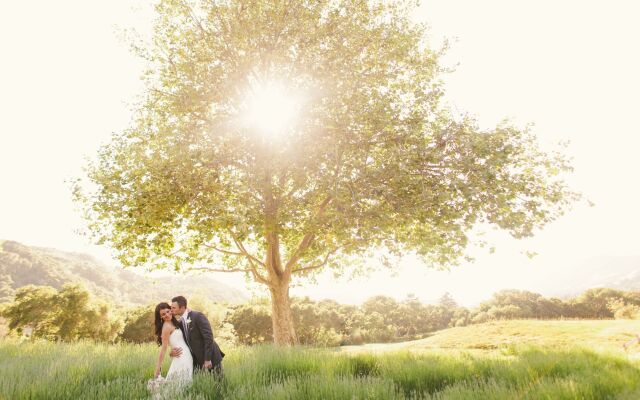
(72, 313)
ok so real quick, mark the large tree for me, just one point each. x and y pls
(373, 160)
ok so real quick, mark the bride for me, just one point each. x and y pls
(168, 334)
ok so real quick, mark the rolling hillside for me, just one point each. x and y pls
(22, 265)
(592, 334)
(615, 272)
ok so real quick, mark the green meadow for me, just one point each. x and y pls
(499, 360)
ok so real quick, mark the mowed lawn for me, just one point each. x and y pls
(501, 360)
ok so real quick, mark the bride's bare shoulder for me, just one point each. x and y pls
(168, 327)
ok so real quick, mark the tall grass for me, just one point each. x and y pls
(42, 370)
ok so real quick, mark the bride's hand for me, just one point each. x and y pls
(176, 352)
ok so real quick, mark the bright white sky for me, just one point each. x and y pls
(570, 66)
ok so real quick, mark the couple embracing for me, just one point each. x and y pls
(188, 333)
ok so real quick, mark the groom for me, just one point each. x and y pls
(196, 330)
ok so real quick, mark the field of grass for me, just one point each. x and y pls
(600, 335)
(568, 360)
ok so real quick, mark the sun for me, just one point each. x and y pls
(271, 108)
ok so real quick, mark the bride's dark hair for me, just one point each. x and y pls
(159, 322)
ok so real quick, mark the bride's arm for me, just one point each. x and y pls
(166, 331)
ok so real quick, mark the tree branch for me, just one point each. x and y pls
(307, 268)
(195, 19)
(223, 251)
(253, 271)
(307, 240)
(250, 259)
(244, 251)
(316, 266)
(219, 270)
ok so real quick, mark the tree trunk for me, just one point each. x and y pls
(284, 333)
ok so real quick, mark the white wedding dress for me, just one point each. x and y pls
(181, 368)
(180, 372)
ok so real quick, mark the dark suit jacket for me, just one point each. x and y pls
(199, 337)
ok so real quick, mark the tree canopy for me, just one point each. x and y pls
(68, 314)
(372, 160)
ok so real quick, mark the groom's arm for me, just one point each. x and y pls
(207, 335)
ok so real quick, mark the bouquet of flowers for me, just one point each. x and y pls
(155, 383)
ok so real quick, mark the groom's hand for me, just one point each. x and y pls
(176, 352)
(207, 365)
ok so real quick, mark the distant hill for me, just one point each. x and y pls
(621, 272)
(22, 265)
(593, 334)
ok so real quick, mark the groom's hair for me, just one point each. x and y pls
(182, 302)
